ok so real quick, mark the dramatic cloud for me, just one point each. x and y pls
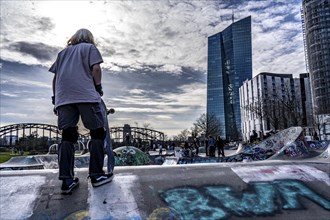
(39, 51)
(155, 53)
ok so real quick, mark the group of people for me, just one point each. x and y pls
(213, 144)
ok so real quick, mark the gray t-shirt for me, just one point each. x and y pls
(73, 72)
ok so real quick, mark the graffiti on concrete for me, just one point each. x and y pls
(129, 155)
(285, 145)
(318, 145)
(271, 173)
(259, 199)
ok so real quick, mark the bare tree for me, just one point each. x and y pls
(183, 136)
(292, 110)
(194, 131)
(272, 113)
(208, 125)
(280, 110)
(258, 108)
(146, 124)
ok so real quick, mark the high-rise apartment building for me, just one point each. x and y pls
(229, 64)
(316, 30)
(271, 101)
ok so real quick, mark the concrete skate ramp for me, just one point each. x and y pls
(46, 161)
(278, 146)
(324, 156)
(240, 149)
(326, 153)
(125, 156)
(171, 161)
(274, 143)
(297, 147)
(242, 191)
(277, 143)
(22, 162)
(289, 144)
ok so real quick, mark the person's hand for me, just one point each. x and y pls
(99, 89)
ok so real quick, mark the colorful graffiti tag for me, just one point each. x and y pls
(129, 155)
(259, 199)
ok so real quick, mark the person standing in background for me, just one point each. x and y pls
(220, 146)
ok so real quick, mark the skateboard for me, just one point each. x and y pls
(107, 140)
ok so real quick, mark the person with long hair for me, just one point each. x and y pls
(77, 92)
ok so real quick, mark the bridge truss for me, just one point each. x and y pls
(136, 133)
(117, 134)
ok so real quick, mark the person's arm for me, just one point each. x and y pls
(97, 74)
(53, 97)
(53, 85)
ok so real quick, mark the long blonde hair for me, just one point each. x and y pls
(81, 36)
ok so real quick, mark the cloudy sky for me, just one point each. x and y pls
(154, 52)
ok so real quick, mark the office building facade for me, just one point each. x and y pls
(272, 102)
(316, 31)
(229, 64)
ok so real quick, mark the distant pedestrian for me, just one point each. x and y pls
(220, 146)
(253, 136)
(206, 142)
(160, 149)
(186, 149)
(77, 93)
(196, 145)
(211, 144)
(172, 146)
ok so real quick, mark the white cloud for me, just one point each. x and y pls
(132, 33)
(8, 94)
(16, 115)
(143, 36)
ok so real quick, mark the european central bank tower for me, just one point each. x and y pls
(229, 64)
(316, 30)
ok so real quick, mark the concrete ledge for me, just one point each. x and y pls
(199, 191)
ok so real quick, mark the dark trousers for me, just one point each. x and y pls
(92, 118)
(66, 160)
(221, 151)
(96, 150)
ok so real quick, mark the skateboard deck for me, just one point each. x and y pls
(107, 140)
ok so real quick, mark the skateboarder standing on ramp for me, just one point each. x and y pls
(77, 93)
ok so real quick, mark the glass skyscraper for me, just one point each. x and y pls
(229, 64)
(316, 17)
(316, 30)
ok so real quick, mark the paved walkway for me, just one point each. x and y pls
(260, 190)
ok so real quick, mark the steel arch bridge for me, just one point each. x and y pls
(28, 129)
(118, 134)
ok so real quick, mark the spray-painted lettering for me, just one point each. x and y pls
(259, 199)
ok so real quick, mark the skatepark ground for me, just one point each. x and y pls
(253, 190)
(282, 177)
